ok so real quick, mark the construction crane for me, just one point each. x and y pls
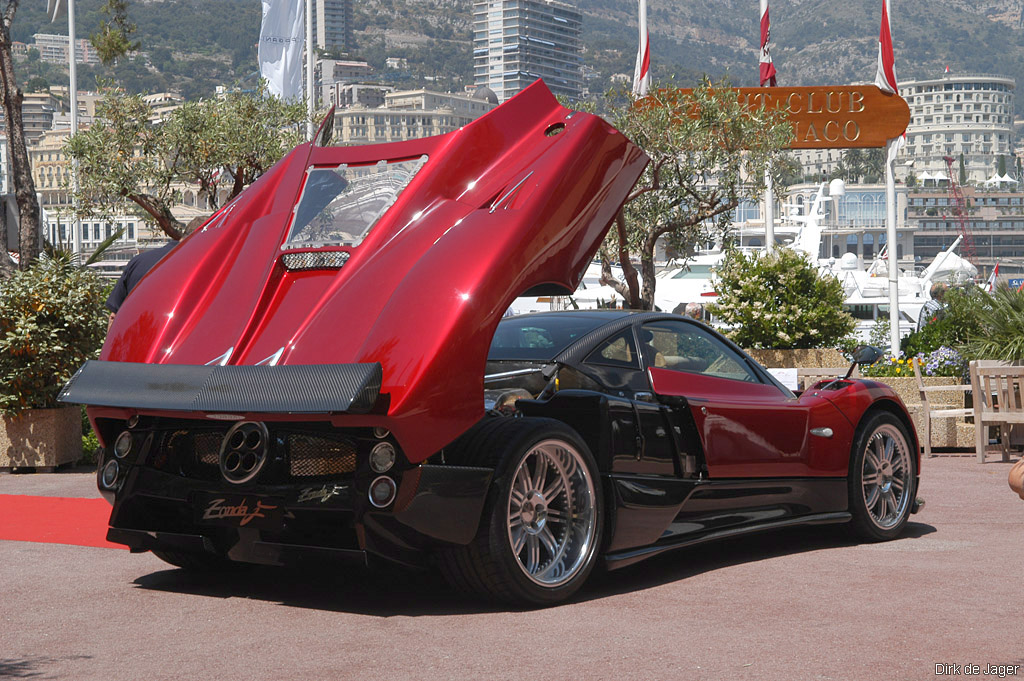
(959, 208)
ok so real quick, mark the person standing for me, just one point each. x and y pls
(133, 273)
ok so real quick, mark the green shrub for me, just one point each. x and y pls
(879, 336)
(90, 443)
(779, 300)
(52, 319)
(1000, 328)
(953, 326)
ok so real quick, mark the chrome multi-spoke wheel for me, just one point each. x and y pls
(883, 477)
(542, 522)
(552, 520)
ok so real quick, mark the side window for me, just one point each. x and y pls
(681, 346)
(617, 351)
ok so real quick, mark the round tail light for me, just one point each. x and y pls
(109, 476)
(382, 491)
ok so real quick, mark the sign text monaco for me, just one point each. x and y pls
(832, 116)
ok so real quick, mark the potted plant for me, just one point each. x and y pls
(52, 319)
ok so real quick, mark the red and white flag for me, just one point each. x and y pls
(990, 285)
(642, 72)
(767, 67)
(885, 76)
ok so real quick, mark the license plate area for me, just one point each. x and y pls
(240, 510)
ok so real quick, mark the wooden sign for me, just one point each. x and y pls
(833, 116)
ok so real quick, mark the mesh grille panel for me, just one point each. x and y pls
(313, 456)
(188, 453)
(315, 260)
(207, 447)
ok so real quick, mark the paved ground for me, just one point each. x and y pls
(799, 604)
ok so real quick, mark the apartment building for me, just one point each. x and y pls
(969, 115)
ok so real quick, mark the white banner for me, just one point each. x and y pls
(280, 51)
(55, 9)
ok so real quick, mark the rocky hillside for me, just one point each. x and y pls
(192, 44)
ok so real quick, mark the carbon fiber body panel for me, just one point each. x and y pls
(298, 389)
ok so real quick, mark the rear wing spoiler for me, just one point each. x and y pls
(308, 389)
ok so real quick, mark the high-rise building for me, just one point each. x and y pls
(332, 25)
(54, 49)
(515, 42)
(954, 115)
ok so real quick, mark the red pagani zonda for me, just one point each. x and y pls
(319, 371)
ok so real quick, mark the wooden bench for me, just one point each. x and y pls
(809, 376)
(928, 412)
(997, 402)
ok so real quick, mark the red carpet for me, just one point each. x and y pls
(55, 520)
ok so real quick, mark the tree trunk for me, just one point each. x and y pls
(628, 270)
(24, 187)
(7, 266)
(161, 213)
(647, 268)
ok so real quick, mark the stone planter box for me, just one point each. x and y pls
(944, 431)
(811, 358)
(41, 439)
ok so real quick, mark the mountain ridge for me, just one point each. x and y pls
(194, 44)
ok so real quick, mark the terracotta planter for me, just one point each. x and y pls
(41, 438)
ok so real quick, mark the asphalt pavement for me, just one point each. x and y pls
(804, 603)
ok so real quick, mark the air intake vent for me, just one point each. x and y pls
(314, 456)
(314, 260)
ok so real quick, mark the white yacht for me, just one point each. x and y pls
(867, 289)
(691, 282)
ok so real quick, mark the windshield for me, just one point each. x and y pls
(339, 206)
(540, 337)
(694, 272)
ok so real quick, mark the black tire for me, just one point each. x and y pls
(543, 519)
(197, 562)
(882, 483)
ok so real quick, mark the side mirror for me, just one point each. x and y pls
(866, 354)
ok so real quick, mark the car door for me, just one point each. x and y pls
(748, 427)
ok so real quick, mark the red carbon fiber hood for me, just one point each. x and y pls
(498, 207)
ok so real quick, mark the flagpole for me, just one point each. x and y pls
(885, 79)
(76, 225)
(890, 229)
(310, 94)
(769, 200)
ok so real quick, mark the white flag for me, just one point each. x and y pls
(55, 9)
(280, 54)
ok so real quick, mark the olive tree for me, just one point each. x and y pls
(126, 155)
(709, 151)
